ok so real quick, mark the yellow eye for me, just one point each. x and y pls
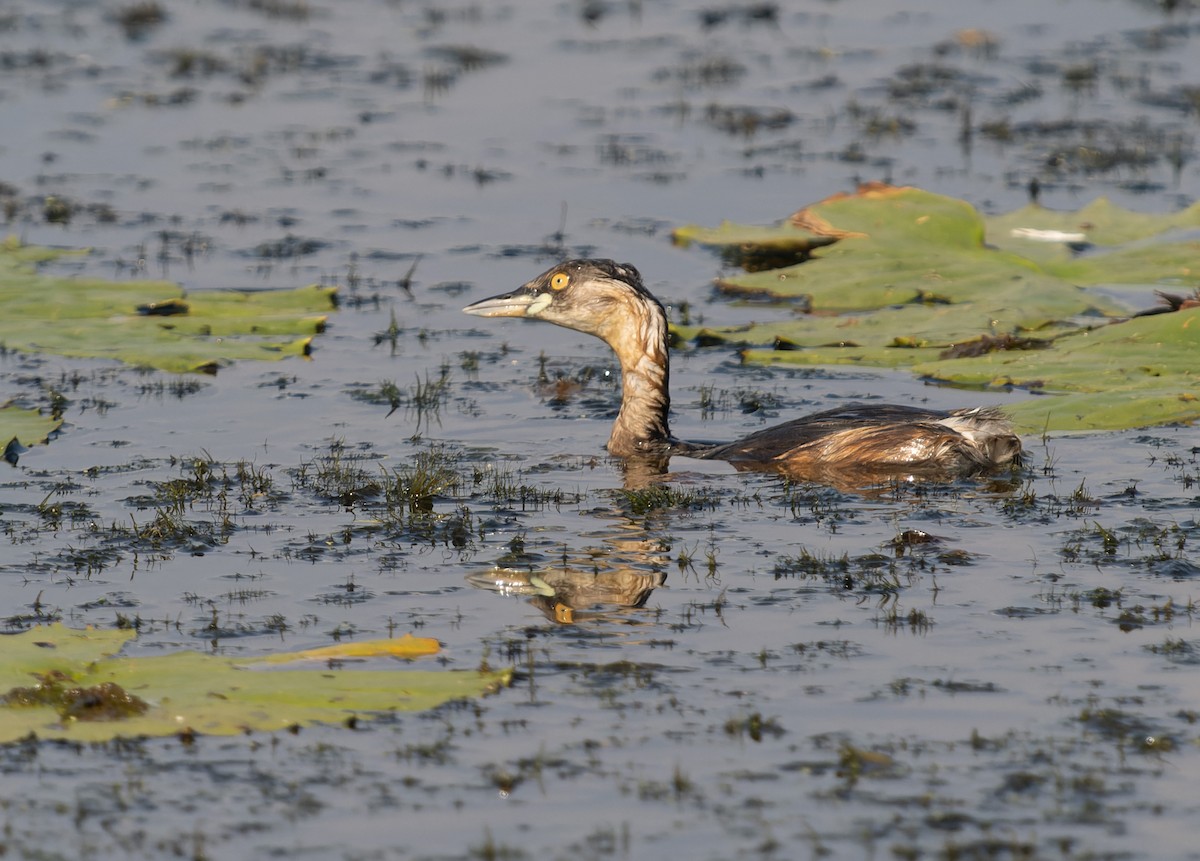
(559, 281)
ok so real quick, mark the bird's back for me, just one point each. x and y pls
(882, 438)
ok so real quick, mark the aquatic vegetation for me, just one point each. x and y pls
(985, 669)
(753, 726)
(871, 573)
(72, 684)
(151, 323)
(660, 497)
(390, 335)
(988, 303)
(345, 476)
(21, 427)
(138, 19)
(423, 400)
(221, 492)
(413, 489)
(893, 618)
(503, 487)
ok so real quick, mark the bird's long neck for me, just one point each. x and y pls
(639, 338)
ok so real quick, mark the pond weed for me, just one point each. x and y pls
(491, 850)
(1019, 786)
(138, 19)
(744, 400)
(501, 486)
(666, 497)
(871, 573)
(256, 485)
(390, 335)
(52, 513)
(685, 558)
(893, 618)
(341, 476)
(426, 398)
(803, 500)
(413, 489)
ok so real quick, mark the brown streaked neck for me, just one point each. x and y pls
(637, 333)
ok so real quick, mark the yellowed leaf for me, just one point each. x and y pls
(407, 646)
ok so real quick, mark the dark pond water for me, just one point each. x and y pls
(812, 677)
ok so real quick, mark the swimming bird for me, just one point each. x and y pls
(608, 300)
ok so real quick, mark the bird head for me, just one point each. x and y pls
(591, 296)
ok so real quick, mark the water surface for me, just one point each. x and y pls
(988, 669)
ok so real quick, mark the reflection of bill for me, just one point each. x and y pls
(562, 594)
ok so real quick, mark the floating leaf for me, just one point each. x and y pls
(755, 248)
(913, 282)
(58, 682)
(1109, 245)
(905, 246)
(1108, 378)
(27, 427)
(1098, 231)
(407, 646)
(127, 321)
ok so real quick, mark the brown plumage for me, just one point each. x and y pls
(608, 300)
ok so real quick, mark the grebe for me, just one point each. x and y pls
(608, 300)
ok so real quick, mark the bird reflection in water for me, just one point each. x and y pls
(572, 595)
(603, 584)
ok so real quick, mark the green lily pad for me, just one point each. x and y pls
(27, 427)
(754, 248)
(1107, 378)
(1106, 235)
(902, 337)
(905, 246)
(1103, 222)
(64, 683)
(151, 323)
(916, 280)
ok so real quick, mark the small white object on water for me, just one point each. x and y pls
(1034, 235)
